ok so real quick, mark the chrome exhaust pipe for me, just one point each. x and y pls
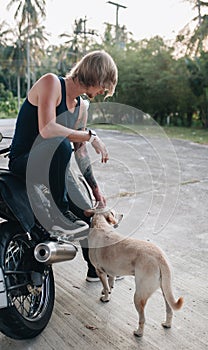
(54, 252)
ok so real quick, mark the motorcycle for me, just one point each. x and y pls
(27, 255)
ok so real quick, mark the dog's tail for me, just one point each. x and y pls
(167, 287)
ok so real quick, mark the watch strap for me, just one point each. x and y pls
(93, 135)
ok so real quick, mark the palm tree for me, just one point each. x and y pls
(28, 12)
(10, 51)
(196, 40)
(5, 31)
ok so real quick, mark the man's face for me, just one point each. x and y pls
(93, 91)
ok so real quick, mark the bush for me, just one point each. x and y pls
(8, 103)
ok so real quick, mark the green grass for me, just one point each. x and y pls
(197, 135)
(8, 116)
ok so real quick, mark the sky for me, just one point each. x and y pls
(144, 18)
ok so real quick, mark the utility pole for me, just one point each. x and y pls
(117, 8)
(198, 5)
(80, 30)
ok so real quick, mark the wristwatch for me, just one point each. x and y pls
(93, 135)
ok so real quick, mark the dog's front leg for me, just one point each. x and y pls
(106, 289)
(111, 280)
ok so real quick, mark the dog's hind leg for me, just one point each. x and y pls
(169, 315)
(140, 305)
(106, 289)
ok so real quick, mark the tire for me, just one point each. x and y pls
(30, 285)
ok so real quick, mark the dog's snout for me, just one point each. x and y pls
(119, 217)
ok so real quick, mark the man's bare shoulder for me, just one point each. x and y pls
(48, 78)
(47, 85)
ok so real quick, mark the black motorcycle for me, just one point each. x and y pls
(27, 252)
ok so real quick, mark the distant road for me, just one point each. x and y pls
(9, 122)
(7, 126)
(7, 129)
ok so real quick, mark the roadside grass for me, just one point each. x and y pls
(197, 135)
(5, 115)
(193, 134)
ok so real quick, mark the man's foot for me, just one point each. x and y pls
(72, 226)
(93, 277)
(73, 218)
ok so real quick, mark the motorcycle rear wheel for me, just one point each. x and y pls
(30, 285)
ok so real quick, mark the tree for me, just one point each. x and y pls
(152, 80)
(10, 57)
(196, 39)
(28, 13)
(196, 42)
(198, 80)
(5, 32)
(14, 57)
(146, 76)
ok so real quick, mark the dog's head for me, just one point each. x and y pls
(110, 216)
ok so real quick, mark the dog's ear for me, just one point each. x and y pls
(89, 212)
(110, 217)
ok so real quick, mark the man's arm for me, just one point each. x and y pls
(82, 156)
(83, 162)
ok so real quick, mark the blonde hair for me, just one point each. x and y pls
(96, 68)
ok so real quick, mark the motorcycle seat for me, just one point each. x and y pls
(14, 202)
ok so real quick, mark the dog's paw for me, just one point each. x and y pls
(138, 333)
(104, 299)
(166, 324)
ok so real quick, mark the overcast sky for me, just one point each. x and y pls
(144, 18)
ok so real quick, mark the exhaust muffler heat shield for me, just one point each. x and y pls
(54, 252)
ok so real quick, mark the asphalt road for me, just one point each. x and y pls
(161, 187)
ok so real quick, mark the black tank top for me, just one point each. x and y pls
(26, 130)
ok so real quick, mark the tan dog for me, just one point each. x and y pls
(116, 255)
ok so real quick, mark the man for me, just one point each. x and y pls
(52, 117)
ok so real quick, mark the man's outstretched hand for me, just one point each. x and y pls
(100, 148)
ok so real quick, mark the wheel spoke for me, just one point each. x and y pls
(29, 300)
